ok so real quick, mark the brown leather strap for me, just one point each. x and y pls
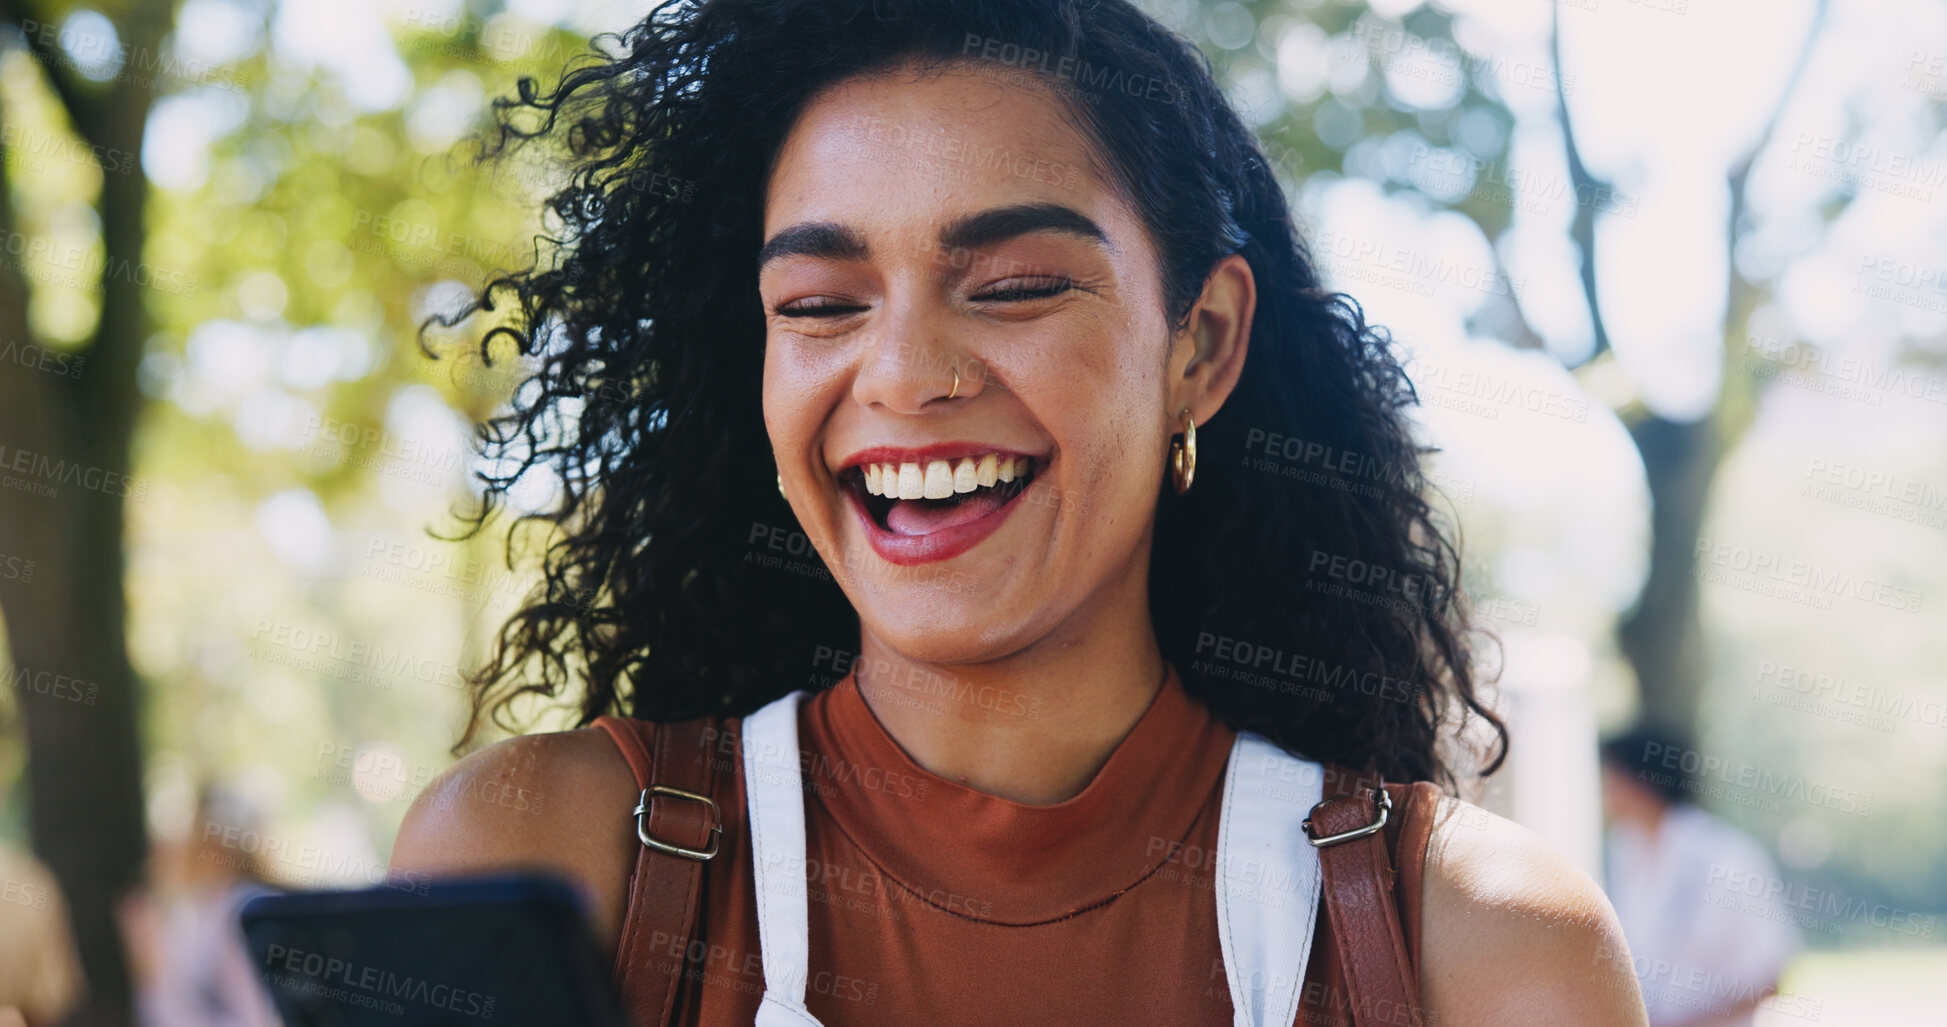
(627, 733)
(664, 890)
(1380, 981)
(1415, 806)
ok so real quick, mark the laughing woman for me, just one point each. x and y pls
(970, 503)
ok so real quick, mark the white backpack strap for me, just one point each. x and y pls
(775, 801)
(1267, 879)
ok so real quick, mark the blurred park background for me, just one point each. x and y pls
(1672, 273)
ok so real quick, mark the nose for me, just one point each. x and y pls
(910, 367)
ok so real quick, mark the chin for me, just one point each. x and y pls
(920, 624)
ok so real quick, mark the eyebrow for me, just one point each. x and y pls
(831, 241)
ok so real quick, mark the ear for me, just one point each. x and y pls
(1207, 356)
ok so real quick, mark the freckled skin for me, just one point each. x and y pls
(1053, 605)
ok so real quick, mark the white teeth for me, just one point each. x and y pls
(939, 480)
(942, 479)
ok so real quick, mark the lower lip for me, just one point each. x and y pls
(945, 544)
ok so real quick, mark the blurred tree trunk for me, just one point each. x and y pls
(68, 619)
(1663, 636)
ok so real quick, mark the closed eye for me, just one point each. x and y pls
(1036, 290)
(837, 309)
(1014, 293)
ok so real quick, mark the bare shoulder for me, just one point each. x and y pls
(557, 801)
(1513, 933)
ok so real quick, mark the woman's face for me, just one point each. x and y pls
(915, 228)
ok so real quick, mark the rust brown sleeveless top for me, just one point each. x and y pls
(934, 903)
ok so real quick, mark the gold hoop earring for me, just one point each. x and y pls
(780, 486)
(1183, 455)
(956, 384)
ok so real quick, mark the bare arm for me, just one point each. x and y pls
(1512, 933)
(555, 802)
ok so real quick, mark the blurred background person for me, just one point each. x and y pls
(40, 975)
(1694, 892)
(186, 949)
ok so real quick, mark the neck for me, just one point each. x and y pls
(1035, 726)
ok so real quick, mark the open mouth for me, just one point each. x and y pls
(921, 498)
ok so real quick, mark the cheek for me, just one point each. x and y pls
(1104, 361)
(779, 417)
(1107, 432)
(1099, 392)
(793, 389)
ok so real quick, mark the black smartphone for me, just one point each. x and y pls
(503, 950)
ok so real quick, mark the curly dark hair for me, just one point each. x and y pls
(1304, 589)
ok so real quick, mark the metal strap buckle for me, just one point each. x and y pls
(1380, 796)
(642, 828)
